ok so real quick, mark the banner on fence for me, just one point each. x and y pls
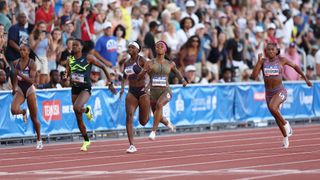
(191, 105)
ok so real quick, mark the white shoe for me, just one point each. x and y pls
(285, 142)
(131, 149)
(288, 129)
(152, 135)
(171, 126)
(39, 145)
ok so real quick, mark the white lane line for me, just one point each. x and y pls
(153, 152)
(164, 139)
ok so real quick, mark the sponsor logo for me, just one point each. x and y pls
(259, 96)
(51, 110)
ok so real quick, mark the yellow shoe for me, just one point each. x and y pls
(85, 146)
(89, 114)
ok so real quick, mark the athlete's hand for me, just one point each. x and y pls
(260, 57)
(13, 91)
(121, 92)
(112, 89)
(308, 83)
(184, 83)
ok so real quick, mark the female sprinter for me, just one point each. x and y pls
(137, 95)
(276, 94)
(78, 69)
(23, 88)
(160, 92)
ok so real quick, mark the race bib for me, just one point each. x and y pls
(77, 77)
(271, 71)
(129, 70)
(159, 81)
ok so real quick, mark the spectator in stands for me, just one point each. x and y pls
(316, 28)
(23, 88)
(183, 34)
(126, 17)
(276, 94)
(137, 22)
(235, 48)
(190, 9)
(190, 74)
(68, 31)
(106, 47)
(98, 25)
(17, 34)
(4, 20)
(46, 14)
(57, 48)
(41, 42)
(4, 84)
(170, 36)
(120, 33)
(292, 54)
(64, 55)
(150, 37)
(95, 77)
(226, 76)
(310, 73)
(217, 58)
(189, 52)
(76, 18)
(54, 81)
(78, 69)
(271, 33)
(88, 17)
(317, 62)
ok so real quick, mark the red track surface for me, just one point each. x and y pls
(245, 154)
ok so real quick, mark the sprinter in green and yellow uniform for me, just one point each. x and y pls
(78, 69)
(160, 92)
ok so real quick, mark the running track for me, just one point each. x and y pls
(243, 154)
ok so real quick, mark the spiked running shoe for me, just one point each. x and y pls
(288, 129)
(131, 149)
(85, 146)
(152, 136)
(39, 145)
(171, 126)
(286, 142)
(89, 114)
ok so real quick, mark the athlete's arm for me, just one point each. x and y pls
(257, 67)
(32, 75)
(178, 73)
(285, 61)
(146, 69)
(98, 56)
(124, 78)
(92, 60)
(14, 80)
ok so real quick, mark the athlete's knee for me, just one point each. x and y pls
(273, 109)
(14, 110)
(144, 120)
(159, 105)
(77, 109)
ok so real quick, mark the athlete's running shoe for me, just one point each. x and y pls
(171, 126)
(131, 149)
(39, 145)
(152, 135)
(89, 114)
(85, 146)
(288, 129)
(286, 142)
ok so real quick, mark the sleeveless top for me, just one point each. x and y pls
(80, 71)
(132, 69)
(272, 69)
(160, 73)
(26, 72)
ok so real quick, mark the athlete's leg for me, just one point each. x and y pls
(144, 109)
(131, 106)
(274, 108)
(33, 108)
(18, 99)
(162, 101)
(78, 103)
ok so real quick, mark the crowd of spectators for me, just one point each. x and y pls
(211, 41)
